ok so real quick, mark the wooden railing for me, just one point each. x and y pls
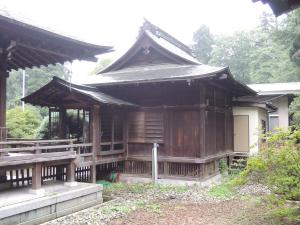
(112, 148)
(30, 151)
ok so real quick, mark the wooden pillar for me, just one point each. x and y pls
(125, 132)
(71, 172)
(202, 121)
(62, 123)
(3, 81)
(37, 176)
(96, 138)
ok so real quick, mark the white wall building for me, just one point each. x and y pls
(280, 95)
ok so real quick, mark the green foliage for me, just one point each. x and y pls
(278, 167)
(221, 191)
(22, 124)
(204, 41)
(74, 129)
(42, 131)
(35, 79)
(260, 55)
(294, 110)
(226, 189)
(142, 188)
(101, 64)
(223, 166)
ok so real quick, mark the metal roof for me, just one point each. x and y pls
(276, 88)
(57, 89)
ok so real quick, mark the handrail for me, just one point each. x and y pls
(35, 148)
(36, 142)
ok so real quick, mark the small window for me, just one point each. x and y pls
(273, 122)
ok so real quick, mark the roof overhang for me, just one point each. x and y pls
(172, 73)
(281, 6)
(60, 93)
(259, 104)
(26, 46)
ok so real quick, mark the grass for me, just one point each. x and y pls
(221, 191)
(118, 208)
(119, 188)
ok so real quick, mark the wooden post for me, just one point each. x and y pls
(3, 81)
(96, 139)
(202, 121)
(71, 172)
(125, 133)
(37, 176)
(62, 123)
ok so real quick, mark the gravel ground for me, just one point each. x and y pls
(149, 204)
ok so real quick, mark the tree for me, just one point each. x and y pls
(234, 51)
(22, 124)
(204, 41)
(260, 55)
(101, 64)
(35, 79)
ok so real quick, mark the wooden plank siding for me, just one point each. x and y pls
(197, 130)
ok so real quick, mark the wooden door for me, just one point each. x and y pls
(184, 140)
(241, 133)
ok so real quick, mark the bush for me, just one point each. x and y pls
(278, 167)
(22, 124)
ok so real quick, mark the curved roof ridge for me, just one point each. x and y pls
(177, 51)
(158, 32)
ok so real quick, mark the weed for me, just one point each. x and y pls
(118, 208)
(221, 191)
(154, 208)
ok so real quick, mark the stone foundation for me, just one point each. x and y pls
(58, 200)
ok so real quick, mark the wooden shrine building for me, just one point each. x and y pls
(157, 92)
(26, 46)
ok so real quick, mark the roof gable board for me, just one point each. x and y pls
(149, 44)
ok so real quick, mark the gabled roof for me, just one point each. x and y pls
(153, 36)
(276, 88)
(24, 45)
(57, 92)
(156, 56)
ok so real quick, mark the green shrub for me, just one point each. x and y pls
(223, 166)
(22, 124)
(278, 167)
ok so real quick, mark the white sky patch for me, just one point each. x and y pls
(116, 22)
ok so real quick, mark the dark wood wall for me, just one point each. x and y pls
(187, 120)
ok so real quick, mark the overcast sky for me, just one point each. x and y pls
(116, 22)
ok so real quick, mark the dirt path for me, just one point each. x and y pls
(236, 211)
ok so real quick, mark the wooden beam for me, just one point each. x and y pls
(96, 138)
(62, 132)
(202, 123)
(3, 83)
(37, 176)
(71, 171)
